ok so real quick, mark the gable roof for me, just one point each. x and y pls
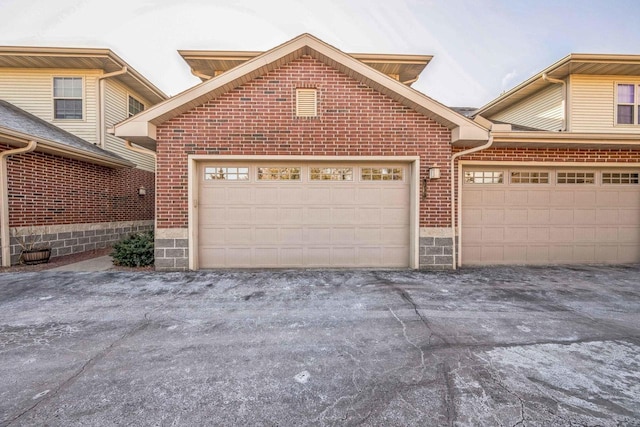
(211, 63)
(19, 126)
(574, 63)
(141, 128)
(82, 59)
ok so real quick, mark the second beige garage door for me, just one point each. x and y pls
(265, 214)
(515, 215)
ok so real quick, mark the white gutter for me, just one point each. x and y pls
(4, 197)
(546, 78)
(453, 193)
(52, 147)
(101, 109)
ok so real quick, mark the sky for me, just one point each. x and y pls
(481, 47)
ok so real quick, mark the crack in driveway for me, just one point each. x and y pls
(90, 362)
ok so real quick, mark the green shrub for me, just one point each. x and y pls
(134, 251)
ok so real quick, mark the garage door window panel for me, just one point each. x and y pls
(620, 178)
(483, 177)
(278, 173)
(576, 178)
(518, 177)
(330, 174)
(226, 173)
(381, 174)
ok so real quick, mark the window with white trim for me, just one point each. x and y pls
(483, 177)
(381, 174)
(620, 178)
(627, 102)
(331, 174)
(576, 178)
(226, 173)
(135, 106)
(529, 177)
(279, 174)
(67, 98)
(306, 102)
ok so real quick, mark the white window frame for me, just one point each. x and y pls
(54, 98)
(129, 98)
(635, 104)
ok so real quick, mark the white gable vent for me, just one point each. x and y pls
(306, 102)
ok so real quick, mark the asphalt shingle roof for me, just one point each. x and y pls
(16, 119)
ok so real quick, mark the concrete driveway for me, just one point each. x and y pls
(501, 346)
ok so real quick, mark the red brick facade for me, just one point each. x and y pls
(47, 190)
(258, 119)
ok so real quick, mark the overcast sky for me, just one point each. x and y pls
(480, 47)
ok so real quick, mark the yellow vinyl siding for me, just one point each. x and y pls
(542, 110)
(32, 90)
(117, 110)
(592, 104)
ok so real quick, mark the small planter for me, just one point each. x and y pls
(35, 256)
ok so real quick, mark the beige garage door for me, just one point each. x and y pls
(261, 214)
(516, 215)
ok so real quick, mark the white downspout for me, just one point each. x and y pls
(456, 241)
(101, 109)
(4, 197)
(546, 78)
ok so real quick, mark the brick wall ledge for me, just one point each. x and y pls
(172, 233)
(436, 231)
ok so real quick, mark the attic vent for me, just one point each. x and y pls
(306, 102)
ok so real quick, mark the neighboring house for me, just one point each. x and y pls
(74, 185)
(560, 184)
(302, 156)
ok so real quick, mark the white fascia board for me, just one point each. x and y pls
(136, 129)
(469, 133)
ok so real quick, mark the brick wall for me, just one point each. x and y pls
(47, 190)
(258, 119)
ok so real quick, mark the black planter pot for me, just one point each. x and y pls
(35, 256)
